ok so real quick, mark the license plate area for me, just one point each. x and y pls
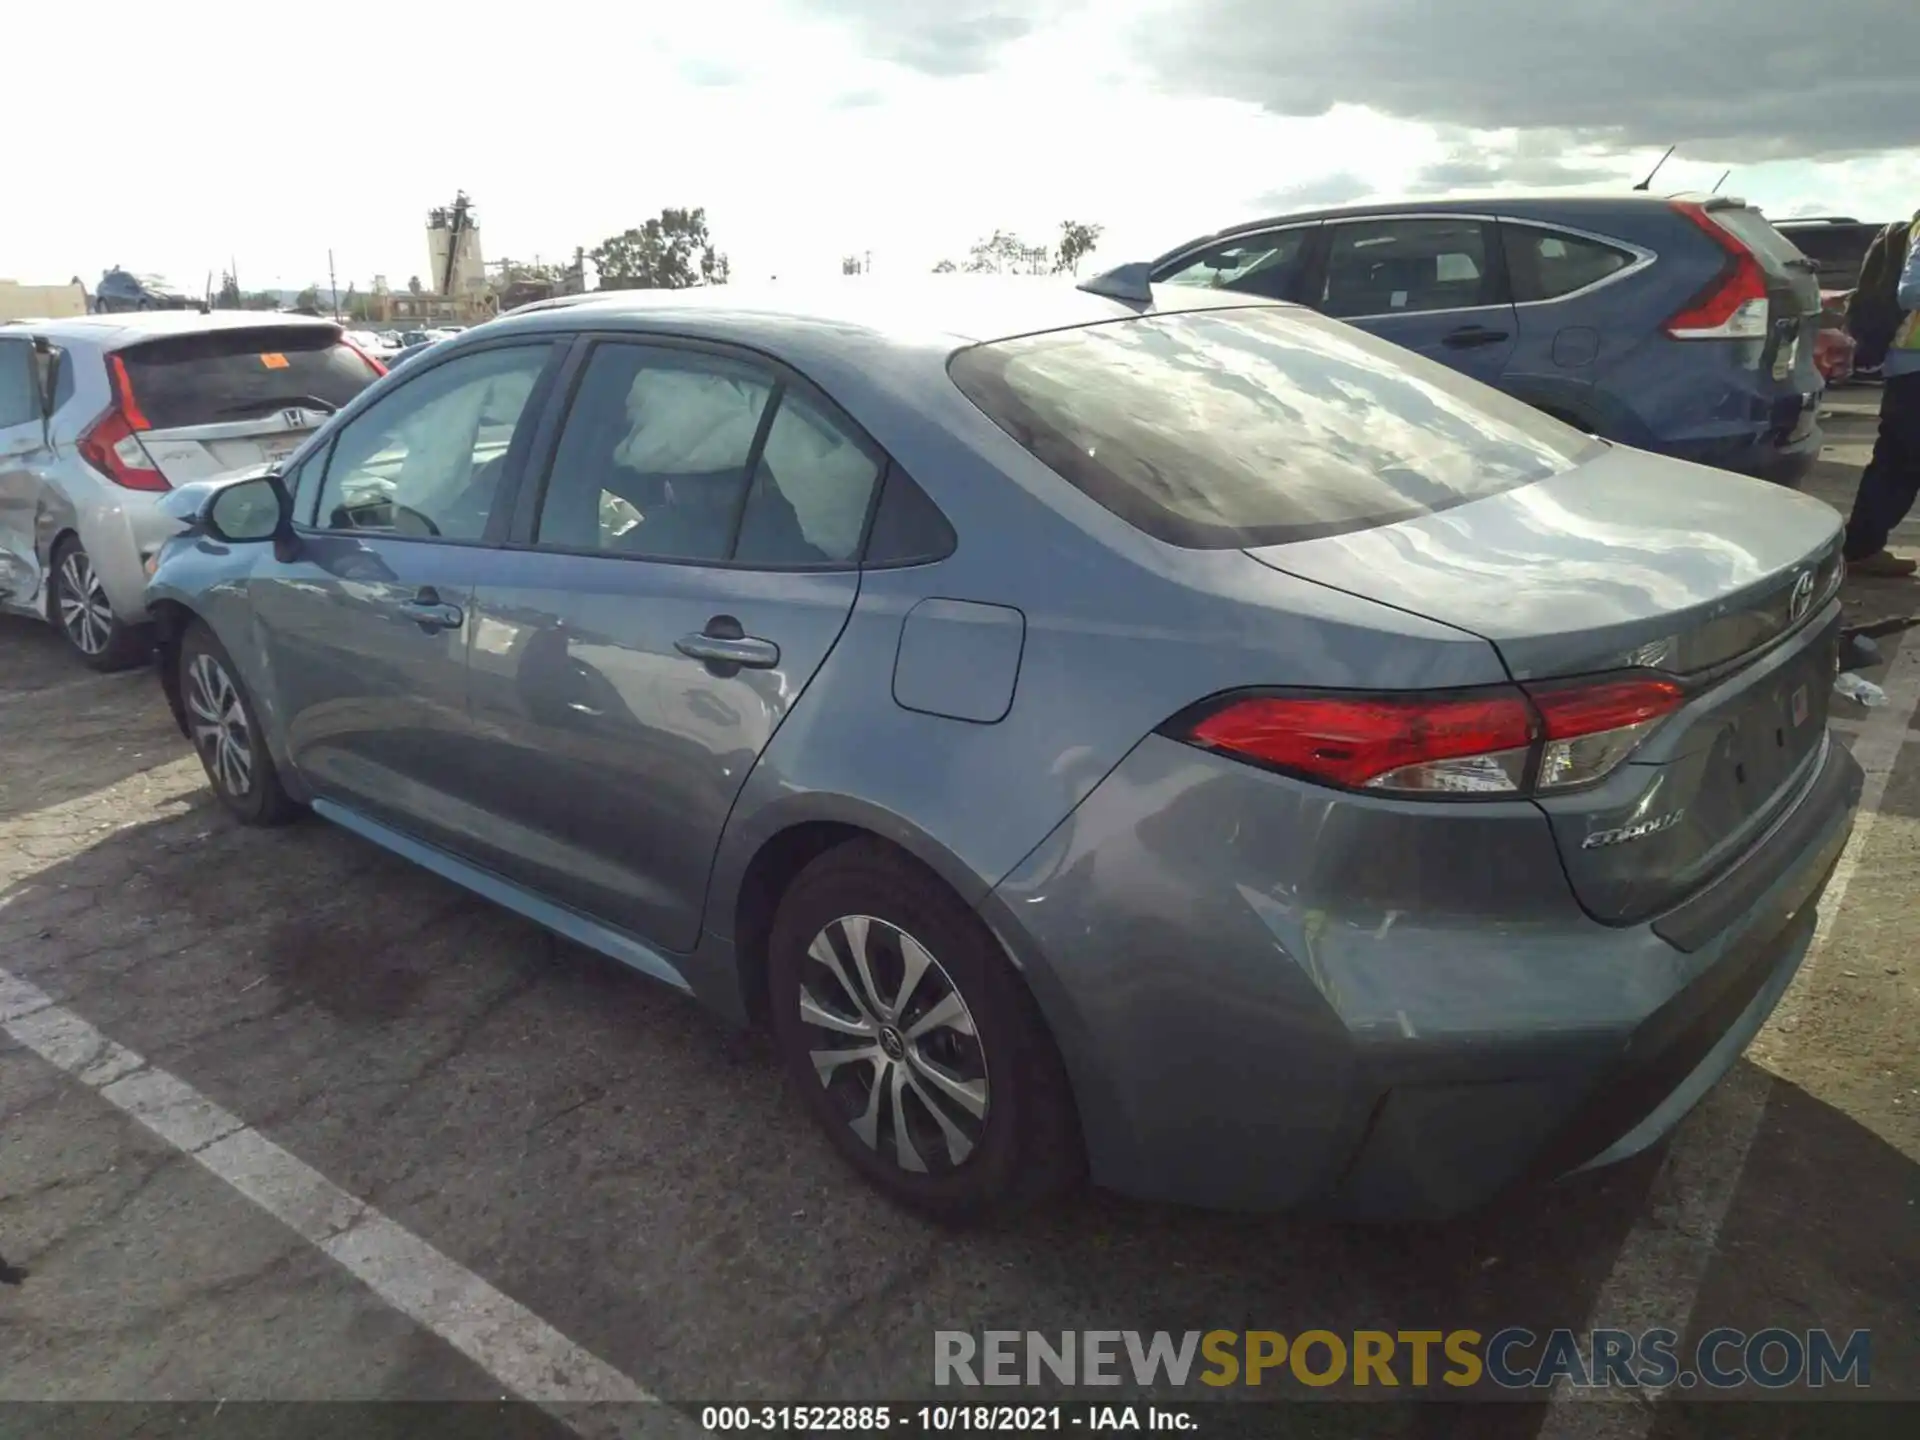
(1776, 726)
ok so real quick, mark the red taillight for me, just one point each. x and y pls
(1422, 743)
(1589, 728)
(1735, 305)
(1490, 742)
(113, 447)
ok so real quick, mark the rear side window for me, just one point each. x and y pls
(216, 377)
(1546, 264)
(1267, 265)
(1402, 265)
(1222, 428)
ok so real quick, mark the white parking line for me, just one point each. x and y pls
(525, 1354)
(1657, 1275)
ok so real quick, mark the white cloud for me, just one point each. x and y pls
(807, 129)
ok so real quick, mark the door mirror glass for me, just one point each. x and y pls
(250, 510)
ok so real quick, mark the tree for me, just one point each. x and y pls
(945, 267)
(670, 252)
(1077, 241)
(1004, 253)
(228, 297)
(849, 264)
(307, 299)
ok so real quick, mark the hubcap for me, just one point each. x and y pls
(85, 612)
(219, 722)
(900, 1054)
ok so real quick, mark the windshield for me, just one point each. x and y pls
(1221, 428)
(220, 376)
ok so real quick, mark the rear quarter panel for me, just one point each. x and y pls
(1121, 633)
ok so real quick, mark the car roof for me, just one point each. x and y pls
(1569, 207)
(955, 309)
(132, 326)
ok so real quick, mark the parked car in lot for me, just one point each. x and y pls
(101, 415)
(1837, 244)
(1165, 731)
(1684, 326)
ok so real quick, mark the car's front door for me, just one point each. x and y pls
(1434, 284)
(687, 565)
(365, 624)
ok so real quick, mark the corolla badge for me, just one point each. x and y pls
(1625, 834)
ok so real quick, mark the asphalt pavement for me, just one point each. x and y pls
(405, 1146)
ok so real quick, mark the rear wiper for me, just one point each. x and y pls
(280, 402)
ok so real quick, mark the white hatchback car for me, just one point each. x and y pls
(101, 415)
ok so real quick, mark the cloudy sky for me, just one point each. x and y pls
(810, 129)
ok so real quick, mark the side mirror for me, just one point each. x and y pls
(249, 511)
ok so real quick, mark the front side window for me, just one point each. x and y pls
(1267, 265)
(672, 454)
(427, 460)
(1405, 265)
(1258, 426)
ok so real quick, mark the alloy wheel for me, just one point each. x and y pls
(85, 612)
(219, 722)
(899, 1052)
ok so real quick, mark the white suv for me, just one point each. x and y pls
(101, 415)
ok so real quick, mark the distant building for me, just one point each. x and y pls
(455, 266)
(41, 302)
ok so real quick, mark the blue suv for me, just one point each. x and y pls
(1683, 325)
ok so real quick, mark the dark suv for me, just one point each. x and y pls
(1836, 244)
(1684, 325)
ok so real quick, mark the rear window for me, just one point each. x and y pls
(1756, 232)
(220, 376)
(1222, 428)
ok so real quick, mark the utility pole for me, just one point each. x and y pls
(333, 285)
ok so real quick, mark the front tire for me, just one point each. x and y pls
(914, 1044)
(84, 616)
(226, 734)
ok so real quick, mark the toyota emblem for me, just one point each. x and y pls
(1802, 596)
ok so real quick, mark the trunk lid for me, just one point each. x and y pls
(199, 452)
(1633, 561)
(205, 403)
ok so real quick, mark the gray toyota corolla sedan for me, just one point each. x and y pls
(1152, 734)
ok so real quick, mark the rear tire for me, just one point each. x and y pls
(225, 730)
(951, 1099)
(82, 613)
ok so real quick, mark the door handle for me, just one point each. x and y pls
(1469, 336)
(742, 650)
(431, 613)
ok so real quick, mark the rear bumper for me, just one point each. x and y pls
(1766, 456)
(1370, 1034)
(120, 529)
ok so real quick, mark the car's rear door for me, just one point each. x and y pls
(685, 564)
(1433, 283)
(365, 626)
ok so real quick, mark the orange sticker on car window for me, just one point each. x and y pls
(274, 361)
